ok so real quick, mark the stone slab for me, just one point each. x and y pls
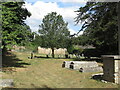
(91, 69)
(77, 64)
(6, 83)
(81, 64)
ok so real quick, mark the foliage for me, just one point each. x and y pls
(84, 40)
(14, 30)
(34, 42)
(53, 32)
(70, 49)
(100, 25)
(77, 50)
(74, 49)
(91, 53)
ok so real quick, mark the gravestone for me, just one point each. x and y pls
(111, 68)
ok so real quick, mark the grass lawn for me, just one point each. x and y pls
(46, 73)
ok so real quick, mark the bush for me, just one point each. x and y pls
(75, 50)
(70, 49)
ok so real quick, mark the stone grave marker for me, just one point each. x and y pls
(111, 68)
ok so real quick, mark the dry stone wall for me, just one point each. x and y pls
(48, 51)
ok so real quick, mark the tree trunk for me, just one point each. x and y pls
(53, 52)
(118, 10)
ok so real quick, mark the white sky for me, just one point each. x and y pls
(66, 8)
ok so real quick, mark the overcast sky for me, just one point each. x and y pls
(66, 8)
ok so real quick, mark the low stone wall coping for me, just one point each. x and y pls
(111, 56)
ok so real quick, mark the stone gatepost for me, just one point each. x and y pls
(111, 68)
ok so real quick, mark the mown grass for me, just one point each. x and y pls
(48, 73)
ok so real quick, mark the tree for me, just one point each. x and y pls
(100, 25)
(53, 32)
(119, 24)
(14, 30)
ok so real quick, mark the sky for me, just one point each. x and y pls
(66, 8)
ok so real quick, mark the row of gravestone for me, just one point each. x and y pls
(82, 66)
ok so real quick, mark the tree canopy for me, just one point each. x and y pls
(100, 25)
(14, 29)
(53, 32)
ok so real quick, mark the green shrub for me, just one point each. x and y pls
(75, 50)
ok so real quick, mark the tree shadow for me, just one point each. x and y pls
(47, 88)
(44, 87)
(98, 77)
(10, 60)
(41, 57)
(47, 57)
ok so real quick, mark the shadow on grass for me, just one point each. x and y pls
(30, 89)
(44, 87)
(97, 77)
(10, 60)
(48, 88)
(46, 57)
(41, 57)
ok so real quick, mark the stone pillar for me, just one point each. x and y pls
(111, 68)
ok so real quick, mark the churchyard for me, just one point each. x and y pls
(48, 73)
(52, 56)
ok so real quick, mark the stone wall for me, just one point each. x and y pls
(48, 51)
(18, 48)
(44, 51)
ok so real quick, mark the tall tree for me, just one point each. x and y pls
(118, 10)
(100, 25)
(53, 32)
(13, 27)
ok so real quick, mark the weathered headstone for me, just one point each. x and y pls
(111, 68)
